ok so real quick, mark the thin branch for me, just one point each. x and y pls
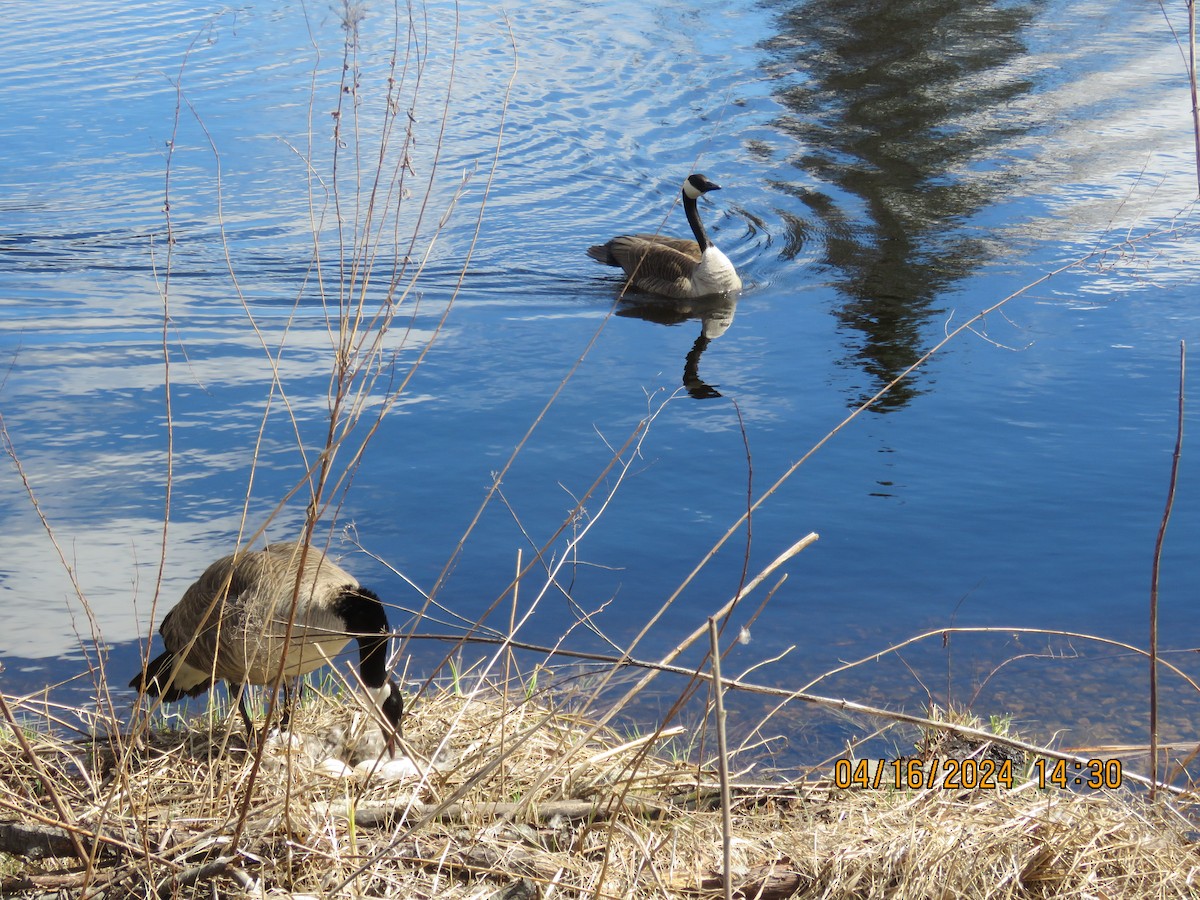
(1192, 83)
(714, 655)
(1158, 548)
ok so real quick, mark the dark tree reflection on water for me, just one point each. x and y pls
(900, 110)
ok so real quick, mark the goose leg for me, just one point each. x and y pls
(285, 718)
(241, 701)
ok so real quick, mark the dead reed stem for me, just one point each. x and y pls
(1158, 548)
(722, 758)
(1191, 6)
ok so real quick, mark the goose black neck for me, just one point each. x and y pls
(693, 217)
(366, 619)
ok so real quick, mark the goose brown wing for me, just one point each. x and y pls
(629, 248)
(212, 611)
(214, 601)
(656, 264)
(238, 609)
(625, 250)
(686, 246)
(318, 633)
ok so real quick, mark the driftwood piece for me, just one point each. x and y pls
(57, 884)
(39, 841)
(49, 883)
(222, 865)
(381, 812)
(775, 881)
(60, 882)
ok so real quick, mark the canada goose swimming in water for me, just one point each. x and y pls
(231, 624)
(674, 267)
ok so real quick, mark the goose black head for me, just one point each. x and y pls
(365, 617)
(698, 184)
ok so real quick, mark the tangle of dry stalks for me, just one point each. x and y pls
(622, 819)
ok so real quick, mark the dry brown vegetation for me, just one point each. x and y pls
(516, 798)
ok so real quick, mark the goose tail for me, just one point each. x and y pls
(602, 253)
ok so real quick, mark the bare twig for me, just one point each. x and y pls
(1189, 63)
(722, 757)
(1158, 548)
(1192, 83)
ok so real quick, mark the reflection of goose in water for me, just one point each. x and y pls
(715, 315)
(674, 267)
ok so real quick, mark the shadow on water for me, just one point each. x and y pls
(715, 315)
(898, 109)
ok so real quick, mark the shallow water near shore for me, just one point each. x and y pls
(885, 177)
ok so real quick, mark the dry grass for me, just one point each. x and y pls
(615, 819)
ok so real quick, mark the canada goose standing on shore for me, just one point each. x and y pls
(674, 267)
(232, 624)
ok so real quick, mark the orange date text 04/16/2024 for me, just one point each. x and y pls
(969, 774)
